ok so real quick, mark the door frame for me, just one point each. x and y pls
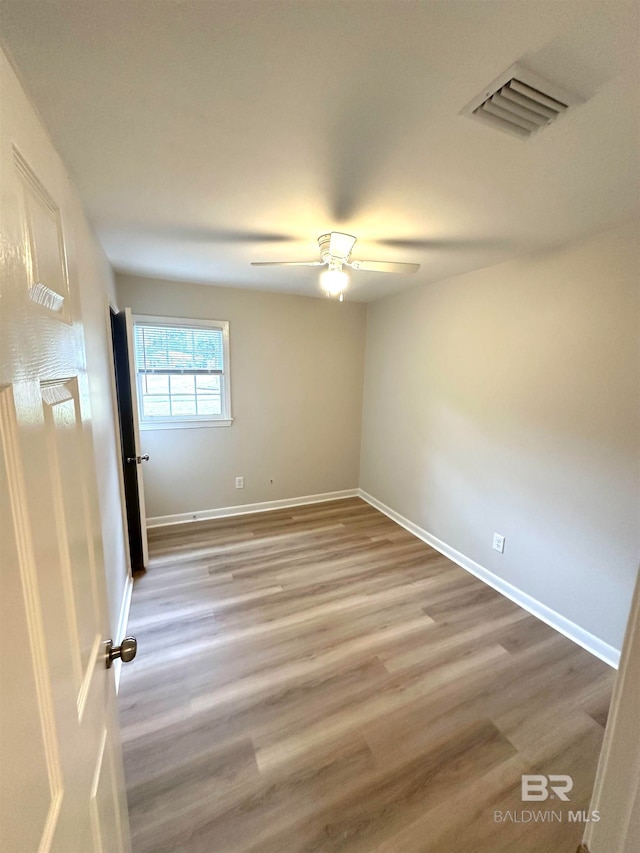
(119, 630)
(127, 505)
(616, 789)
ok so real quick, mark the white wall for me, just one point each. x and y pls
(297, 367)
(91, 276)
(508, 400)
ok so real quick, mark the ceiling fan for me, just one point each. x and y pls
(335, 251)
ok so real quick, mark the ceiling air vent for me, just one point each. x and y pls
(521, 102)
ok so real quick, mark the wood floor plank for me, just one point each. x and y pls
(318, 679)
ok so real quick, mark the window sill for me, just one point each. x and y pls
(220, 422)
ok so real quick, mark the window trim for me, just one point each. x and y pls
(187, 422)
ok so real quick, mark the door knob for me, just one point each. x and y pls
(138, 459)
(126, 651)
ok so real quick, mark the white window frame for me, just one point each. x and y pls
(188, 422)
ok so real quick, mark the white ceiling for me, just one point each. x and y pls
(205, 135)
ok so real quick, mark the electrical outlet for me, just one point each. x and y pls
(239, 482)
(498, 542)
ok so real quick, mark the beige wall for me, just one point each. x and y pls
(508, 400)
(296, 398)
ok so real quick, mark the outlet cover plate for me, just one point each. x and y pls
(498, 542)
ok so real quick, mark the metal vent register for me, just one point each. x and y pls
(521, 102)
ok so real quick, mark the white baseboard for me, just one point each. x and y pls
(245, 509)
(121, 630)
(609, 654)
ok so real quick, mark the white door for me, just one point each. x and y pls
(61, 779)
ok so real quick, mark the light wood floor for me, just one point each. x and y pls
(318, 679)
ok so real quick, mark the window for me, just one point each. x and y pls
(182, 370)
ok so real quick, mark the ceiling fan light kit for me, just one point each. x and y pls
(335, 251)
(334, 281)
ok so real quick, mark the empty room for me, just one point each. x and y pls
(320, 426)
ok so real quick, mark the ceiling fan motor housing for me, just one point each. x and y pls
(336, 246)
(323, 243)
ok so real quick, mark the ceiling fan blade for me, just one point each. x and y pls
(384, 266)
(340, 245)
(441, 243)
(207, 235)
(229, 236)
(287, 263)
(367, 110)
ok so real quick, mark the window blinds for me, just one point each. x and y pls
(176, 349)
